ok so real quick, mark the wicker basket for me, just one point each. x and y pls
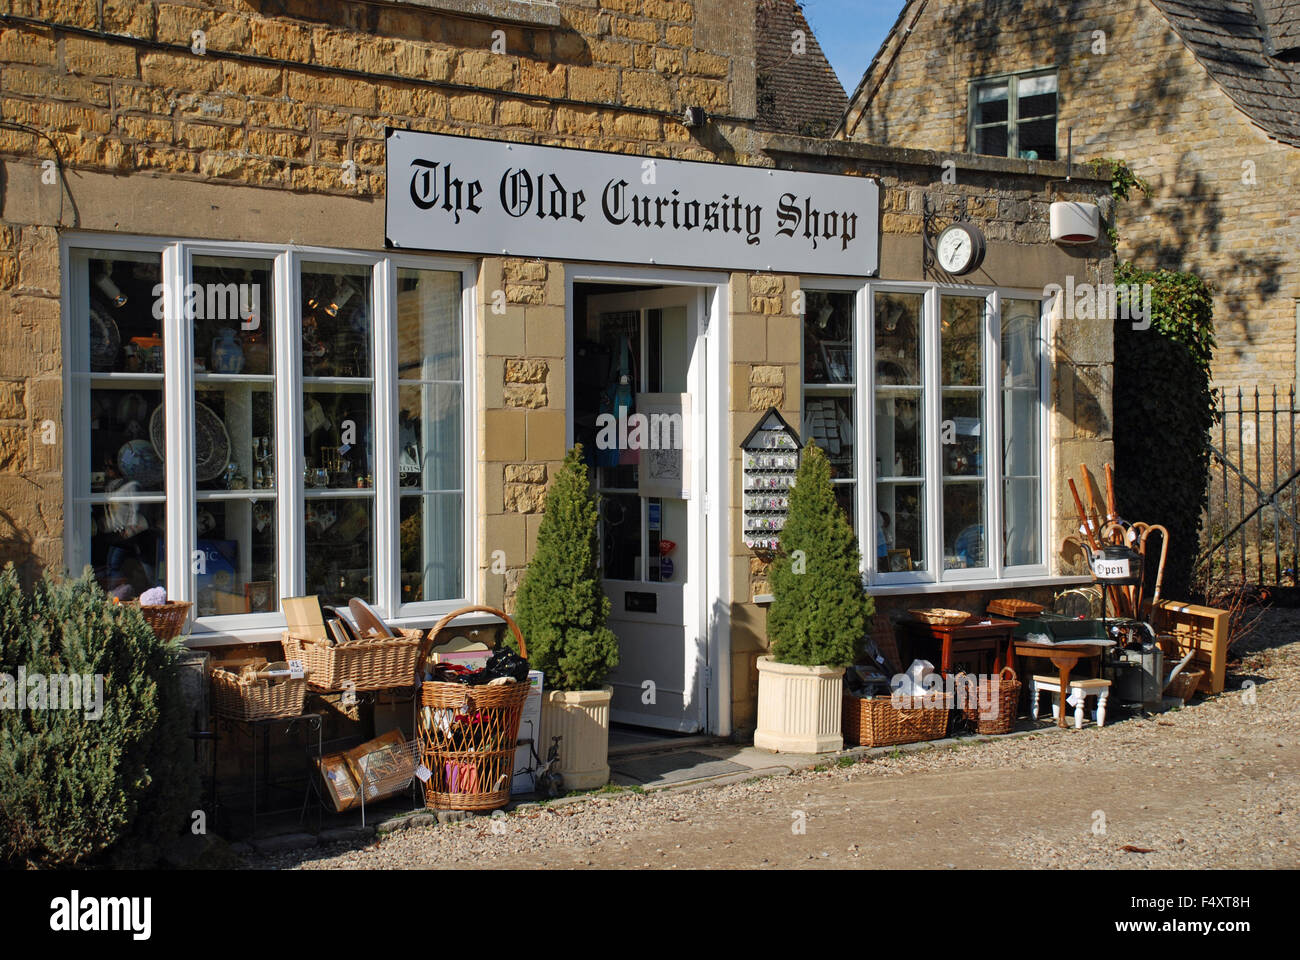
(379, 664)
(468, 734)
(1184, 685)
(876, 722)
(1002, 718)
(939, 617)
(1011, 607)
(247, 696)
(167, 620)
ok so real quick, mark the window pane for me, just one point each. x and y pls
(898, 338)
(336, 324)
(828, 422)
(428, 325)
(339, 548)
(125, 454)
(900, 527)
(963, 524)
(127, 545)
(431, 534)
(229, 304)
(123, 313)
(1038, 140)
(430, 435)
(991, 103)
(828, 337)
(235, 540)
(620, 515)
(899, 432)
(962, 341)
(991, 141)
(962, 430)
(1021, 431)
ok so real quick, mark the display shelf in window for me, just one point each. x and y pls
(771, 458)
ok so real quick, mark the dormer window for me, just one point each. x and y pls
(1014, 116)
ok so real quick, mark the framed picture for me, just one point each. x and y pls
(259, 596)
(898, 561)
(665, 469)
(839, 360)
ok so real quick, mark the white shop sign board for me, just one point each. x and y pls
(466, 195)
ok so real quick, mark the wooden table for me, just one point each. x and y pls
(1064, 656)
(974, 636)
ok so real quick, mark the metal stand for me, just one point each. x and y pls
(260, 730)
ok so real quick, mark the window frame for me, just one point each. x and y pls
(180, 494)
(933, 576)
(1013, 121)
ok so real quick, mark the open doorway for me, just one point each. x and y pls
(639, 367)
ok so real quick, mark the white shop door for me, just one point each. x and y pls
(655, 598)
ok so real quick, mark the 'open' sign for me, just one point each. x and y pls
(1110, 569)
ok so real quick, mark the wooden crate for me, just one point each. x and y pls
(1204, 629)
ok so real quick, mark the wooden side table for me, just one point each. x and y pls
(1064, 655)
(991, 634)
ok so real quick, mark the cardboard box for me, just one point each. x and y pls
(530, 727)
(340, 784)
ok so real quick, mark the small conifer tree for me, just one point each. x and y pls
(561, 608)
(820, 611)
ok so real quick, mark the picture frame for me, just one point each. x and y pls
(838, 355)
(259, 596)
(898, 561)
(665, 468)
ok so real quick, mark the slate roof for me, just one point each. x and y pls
(1283, 21)
(1232, 40)
(798, 93)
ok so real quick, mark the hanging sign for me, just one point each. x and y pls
(465, 195)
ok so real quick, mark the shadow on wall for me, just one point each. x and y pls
(16, 547)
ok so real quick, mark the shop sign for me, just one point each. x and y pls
(465, 195)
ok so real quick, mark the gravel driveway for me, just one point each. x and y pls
(1214, 785)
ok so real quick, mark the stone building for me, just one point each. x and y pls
(311, 298)
(1200, 99)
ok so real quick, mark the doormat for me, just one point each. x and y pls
(674, 767)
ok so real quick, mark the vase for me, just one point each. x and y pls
(227, 355)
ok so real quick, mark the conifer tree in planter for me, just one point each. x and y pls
(819, 615)
(562, 611)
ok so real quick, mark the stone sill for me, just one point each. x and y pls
(788, 144)
(958, 586)
(533, 13)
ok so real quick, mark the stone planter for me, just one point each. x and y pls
(799, 708)
(581, 717)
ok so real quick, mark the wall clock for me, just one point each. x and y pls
(960, 249)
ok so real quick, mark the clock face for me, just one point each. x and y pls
(956, 250)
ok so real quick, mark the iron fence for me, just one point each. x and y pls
(1251, 526)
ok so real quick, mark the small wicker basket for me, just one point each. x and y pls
(378, 664)
(939, 617)
(876, 722)
(468, 734)
(167, 620)
(1001, 718)
(249, 696)
(1184, 685)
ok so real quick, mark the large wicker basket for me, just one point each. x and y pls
(1001, 718)
(1184, 685)
(246, 696)
(940, 617)
(379, 664)
(167, 620)
(876, 722)
(468, 734)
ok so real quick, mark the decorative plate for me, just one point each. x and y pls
(211, 441)
(105, 339)
(138, 461)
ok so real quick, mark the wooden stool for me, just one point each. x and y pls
(1083, 689)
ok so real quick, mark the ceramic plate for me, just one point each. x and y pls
(211, 441)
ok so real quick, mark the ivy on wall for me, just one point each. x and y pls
(1164, 405)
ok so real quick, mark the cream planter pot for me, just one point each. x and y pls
(799, 708)
(581, 717)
